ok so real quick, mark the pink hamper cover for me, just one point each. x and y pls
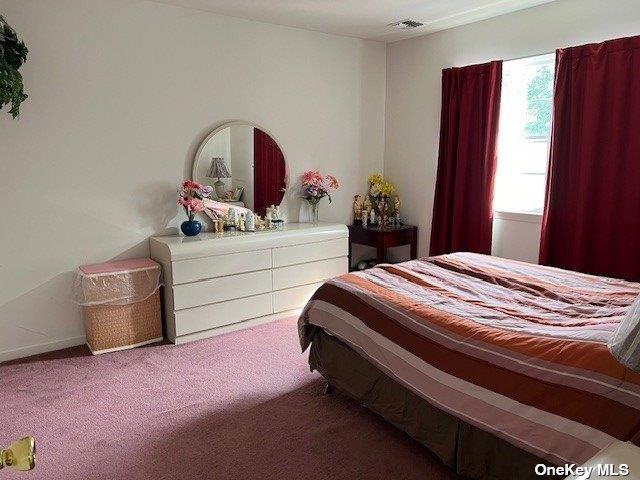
(117, 283)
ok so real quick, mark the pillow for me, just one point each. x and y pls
(233, 195)
(215, 210)
(625, 343)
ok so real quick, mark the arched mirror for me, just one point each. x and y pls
(244, 165)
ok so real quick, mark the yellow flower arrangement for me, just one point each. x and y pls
(378, 186)
(378, 201)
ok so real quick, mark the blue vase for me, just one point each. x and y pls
(191, 228)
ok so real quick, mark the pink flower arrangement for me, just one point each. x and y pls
(190, 195)
(315, 186)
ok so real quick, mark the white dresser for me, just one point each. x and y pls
(215, 283)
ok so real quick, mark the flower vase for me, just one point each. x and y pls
(191, 228)
(314, 213)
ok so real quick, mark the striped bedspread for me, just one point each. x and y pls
(516, 349)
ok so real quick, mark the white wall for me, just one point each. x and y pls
(121, 92)
(414, 93)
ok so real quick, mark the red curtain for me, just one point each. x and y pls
(269, 172)
(462, 210)
(591, 221)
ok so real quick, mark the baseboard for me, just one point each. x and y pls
(45, 347)
(126, 347)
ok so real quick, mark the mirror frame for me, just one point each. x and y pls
(231, 123)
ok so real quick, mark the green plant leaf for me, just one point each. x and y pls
(13, 54)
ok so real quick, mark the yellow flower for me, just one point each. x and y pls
(375, 179)
(387, 188)
(378, 186)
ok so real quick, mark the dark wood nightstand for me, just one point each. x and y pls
(383, 238)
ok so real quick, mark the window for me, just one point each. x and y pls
(525, 132)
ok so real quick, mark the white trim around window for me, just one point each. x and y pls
(527, 217)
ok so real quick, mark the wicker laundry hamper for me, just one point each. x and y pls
(121, 304)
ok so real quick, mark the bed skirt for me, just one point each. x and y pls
(468, 450)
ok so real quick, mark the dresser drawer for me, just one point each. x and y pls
(221, 289)
(223, 313)
(293, 298)
(296, 275)
(220, 265)
(310, 252)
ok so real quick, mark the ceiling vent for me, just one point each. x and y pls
(406, 24)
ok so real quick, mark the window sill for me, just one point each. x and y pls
(527, 217)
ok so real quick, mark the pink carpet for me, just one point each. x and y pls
(237, 406)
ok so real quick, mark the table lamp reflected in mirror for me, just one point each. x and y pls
(219, 170)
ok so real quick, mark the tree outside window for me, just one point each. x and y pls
(539, 95)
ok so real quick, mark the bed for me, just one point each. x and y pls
(493, 364)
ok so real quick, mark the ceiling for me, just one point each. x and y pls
(362, 18)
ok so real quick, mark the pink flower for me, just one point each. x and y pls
(194, 205)
(187, 197)
(191, 185)
(312, 177)
(191, 204)
(333, 182)
(315, 186)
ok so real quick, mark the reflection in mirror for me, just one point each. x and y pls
(244, 165)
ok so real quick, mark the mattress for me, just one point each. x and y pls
(517, 350)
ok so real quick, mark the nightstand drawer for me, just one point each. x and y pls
(220, 314)
(221, 289)
(310, 252)
(220, 265)
(296, 275)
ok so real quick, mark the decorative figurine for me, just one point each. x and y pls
(268, 216)
(372, 217)
(358, 203)
(367, 204)
(364, 218)
(250, 222)
(241, 222)
(396, 212)
(232, 219)
(273, 216)
(383, 210)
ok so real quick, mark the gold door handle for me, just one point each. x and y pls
(21, 455)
